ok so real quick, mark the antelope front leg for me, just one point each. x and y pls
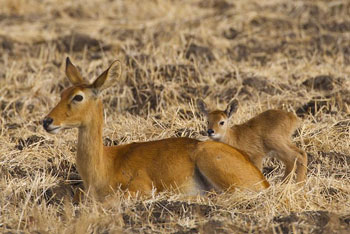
(301, 164)
(257, 161)
(289, 168)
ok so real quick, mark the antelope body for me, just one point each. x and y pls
(268, 132)
(188, 165)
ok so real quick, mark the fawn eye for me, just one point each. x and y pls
(222, 122)
(78, 98)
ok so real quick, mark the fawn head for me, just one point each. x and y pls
(217, 120)
(78, 101)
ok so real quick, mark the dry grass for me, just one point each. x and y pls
(268, 54)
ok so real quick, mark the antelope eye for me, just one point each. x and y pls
(222, 122)
(78, 98)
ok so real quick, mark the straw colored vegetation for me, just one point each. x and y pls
(290, 55)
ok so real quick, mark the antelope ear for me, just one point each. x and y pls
(231, 108)
(202, 106)
(72, 73)
(115, 69)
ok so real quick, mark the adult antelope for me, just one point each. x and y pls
(267, 132)
(189, 165)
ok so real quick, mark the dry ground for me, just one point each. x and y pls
(293, 55)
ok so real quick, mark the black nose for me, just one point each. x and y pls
(210, 132)
(46, 122)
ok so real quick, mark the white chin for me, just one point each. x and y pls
(54, 131)
(215, 137)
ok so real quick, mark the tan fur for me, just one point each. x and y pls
(267, 132)
(188, 165)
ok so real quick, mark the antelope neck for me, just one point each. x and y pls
(90, 161)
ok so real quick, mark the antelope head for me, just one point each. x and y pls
(78, 101)
(217, 120)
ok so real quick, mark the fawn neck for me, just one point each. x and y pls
(91, 162)
(230, 137)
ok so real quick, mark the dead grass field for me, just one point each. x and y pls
(293, 55)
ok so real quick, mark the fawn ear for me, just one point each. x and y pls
(202, 106)
(231, 108)
(114, 70)
(72, 73)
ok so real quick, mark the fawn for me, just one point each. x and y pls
(267, 132)
(189, 165)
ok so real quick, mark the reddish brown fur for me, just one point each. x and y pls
(267, 132)
(185, 164)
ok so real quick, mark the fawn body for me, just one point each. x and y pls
(268, 132)
(189, 165)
